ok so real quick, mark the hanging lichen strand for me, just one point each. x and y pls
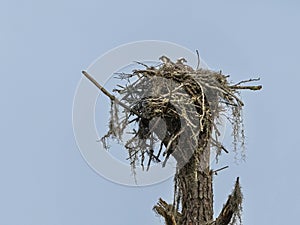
(171, 109)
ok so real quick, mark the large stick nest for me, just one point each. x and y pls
(166, 106)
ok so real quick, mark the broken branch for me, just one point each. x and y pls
(112, 97)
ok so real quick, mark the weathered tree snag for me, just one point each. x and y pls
(195, 189)
(188, 102)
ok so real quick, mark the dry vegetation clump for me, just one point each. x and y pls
(173, 100)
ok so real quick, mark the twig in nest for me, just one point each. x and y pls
(112, 97)
(246, 81)
(253, 88)
(198, 60)
(140, 63)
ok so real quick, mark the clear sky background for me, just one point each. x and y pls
(45, 44)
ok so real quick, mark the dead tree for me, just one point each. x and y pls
(172, 109)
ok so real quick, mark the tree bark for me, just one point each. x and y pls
(195, 185)
(195, 188)
(230, 212)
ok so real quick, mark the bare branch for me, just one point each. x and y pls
(112, 97)
(253, 88)
(216, 171)
(246, 81)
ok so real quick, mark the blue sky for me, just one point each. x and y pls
(45, 44)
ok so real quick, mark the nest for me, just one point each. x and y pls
(171, 109)
(165, 107)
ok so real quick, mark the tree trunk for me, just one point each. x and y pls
(230, 214)
(195, 185)
(197, 197)
(193, 181)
